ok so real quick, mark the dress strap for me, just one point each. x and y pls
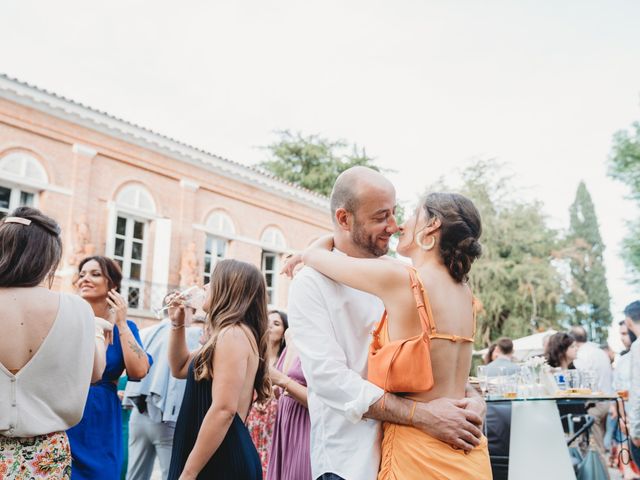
(422, 302)
(452, 338)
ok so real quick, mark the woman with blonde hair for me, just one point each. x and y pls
(211, 439)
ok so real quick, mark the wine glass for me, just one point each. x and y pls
(193, 297)
(481, 373)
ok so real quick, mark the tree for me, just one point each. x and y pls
(624, 165)
(515, 279)
(588, 299)
(311, 161)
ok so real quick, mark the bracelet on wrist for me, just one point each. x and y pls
(177, 326)
(413, 410)
(285, 385)
(123, 331)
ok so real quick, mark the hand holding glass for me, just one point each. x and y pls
(193, 297)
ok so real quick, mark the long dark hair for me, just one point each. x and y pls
(459, 231)
(487, 358)
(239, 297)
(557, 347)
(285, 323)
(29, 253)
(109, 268)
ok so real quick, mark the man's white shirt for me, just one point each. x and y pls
(592, 357)
(331, 325)
(633, 409)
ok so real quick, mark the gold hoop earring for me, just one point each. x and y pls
(426, 247)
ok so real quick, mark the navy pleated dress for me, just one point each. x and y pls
(235, 459)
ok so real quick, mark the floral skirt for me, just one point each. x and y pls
(45, 456)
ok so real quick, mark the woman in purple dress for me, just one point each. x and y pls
(290, 455)
(262, 416)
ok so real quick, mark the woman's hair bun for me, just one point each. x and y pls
(460, 229)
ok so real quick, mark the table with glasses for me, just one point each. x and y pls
(537, 443)
(537, 446)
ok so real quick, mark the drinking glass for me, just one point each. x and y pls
(510, 386)
(573, 381)
(495, 381)
(481, 373)
(193, 297)
(588, 380)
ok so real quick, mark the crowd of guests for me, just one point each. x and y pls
(61, 415)
(612, 374)
(229, 399)
(222, 393)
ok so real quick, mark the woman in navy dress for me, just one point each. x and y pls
(96, 442)
(211, 440)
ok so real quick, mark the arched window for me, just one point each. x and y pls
(23, 165)
(220, 222)
(216, 243)
(21, 178)
(273, 237)
(273, 244)
(134, 207)
(136, 197)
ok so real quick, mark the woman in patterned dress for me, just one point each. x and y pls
(37, 367)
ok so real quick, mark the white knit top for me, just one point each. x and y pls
(48, 394)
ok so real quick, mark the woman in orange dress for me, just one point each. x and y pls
(423, 345)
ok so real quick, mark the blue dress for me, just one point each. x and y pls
(235, 459)
(96, 442)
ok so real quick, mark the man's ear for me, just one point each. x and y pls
(343, 219)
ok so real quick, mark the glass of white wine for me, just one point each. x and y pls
(193, 297)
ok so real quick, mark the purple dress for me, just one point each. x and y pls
(290, 448)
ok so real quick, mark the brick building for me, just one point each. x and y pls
(164, 210)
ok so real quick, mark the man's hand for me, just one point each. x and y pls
(475, 404)
(446, 420)
(290, 265)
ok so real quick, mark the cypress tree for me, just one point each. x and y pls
(589, 301)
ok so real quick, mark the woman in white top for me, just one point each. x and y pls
(50, 351)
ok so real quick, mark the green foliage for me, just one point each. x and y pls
(624, 165)
(311, 161)
(587, 300)
(515, 279)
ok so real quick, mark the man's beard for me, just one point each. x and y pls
(364, 241)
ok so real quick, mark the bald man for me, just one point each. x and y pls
(332, 325)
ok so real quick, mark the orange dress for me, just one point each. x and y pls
(411, 454)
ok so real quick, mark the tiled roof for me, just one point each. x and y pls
(67, 109)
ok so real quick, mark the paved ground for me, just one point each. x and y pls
(615, 475)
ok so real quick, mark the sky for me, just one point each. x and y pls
(423, 85)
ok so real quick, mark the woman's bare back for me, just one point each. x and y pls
(26, 317)
(452, 308)
(246, 395)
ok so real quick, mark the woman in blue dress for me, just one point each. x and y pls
(96, 442)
